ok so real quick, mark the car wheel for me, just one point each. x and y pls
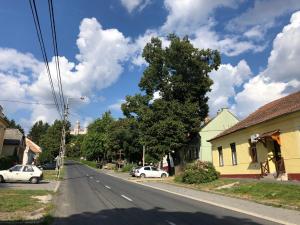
(143, 175)
(2, 179)
(163, 175)
(34, 180)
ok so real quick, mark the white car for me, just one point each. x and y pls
(22, 173)
(150, 171)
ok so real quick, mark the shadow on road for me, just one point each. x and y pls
(156, 216)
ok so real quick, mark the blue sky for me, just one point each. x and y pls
(100, 44)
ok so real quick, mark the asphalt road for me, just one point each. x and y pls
(88, 197)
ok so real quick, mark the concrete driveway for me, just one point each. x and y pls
(43, 185)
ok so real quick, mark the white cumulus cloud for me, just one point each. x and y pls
(281, 76)
(132, 5)
(102, 53)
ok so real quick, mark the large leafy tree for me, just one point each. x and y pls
(37, 131)
(180, 74)
(50, 142)
(95, 143)
(124, 135)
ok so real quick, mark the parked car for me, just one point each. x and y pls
(48, 166)
(22, 173)
(132, 171)
(150, 171)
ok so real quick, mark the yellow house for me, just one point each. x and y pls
(3, 125)
(266, 143)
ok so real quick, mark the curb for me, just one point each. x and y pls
(57, 186)
(210, 202)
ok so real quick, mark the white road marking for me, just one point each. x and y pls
(97, 181)
(171, 223)
(108, 187)
(91, 177)
(129, 199)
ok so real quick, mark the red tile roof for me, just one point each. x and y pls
(279, 107)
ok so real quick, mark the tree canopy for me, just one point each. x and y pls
(95, 143)
(50, 142)
(37, 131)
(179, 73)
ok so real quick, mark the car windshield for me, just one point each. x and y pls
(28, 169)
(16, 168)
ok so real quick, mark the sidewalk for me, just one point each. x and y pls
(279, 215)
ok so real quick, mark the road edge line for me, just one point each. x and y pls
(210, 202)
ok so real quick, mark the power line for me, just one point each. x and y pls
(27, 103)
(44, 54)
(54, 41)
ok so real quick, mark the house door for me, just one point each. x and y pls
(278, 160)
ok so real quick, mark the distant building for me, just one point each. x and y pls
(78, 130)
(31, 152)
(3, 125)
(14, 144)
(211, 128)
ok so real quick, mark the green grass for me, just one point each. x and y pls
(281, 195)
(50, 174)
(268, 193)
(20, 200)
(204, 186)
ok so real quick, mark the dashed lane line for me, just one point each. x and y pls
(129, 199)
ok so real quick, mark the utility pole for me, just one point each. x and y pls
(144, 149)
(62, 151)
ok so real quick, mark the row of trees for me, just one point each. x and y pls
(105, 138)
(179, 74)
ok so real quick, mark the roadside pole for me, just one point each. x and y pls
(61, 158)
(144, 149)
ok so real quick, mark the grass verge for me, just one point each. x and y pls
(20, 205)
(275, 194)
(52, 174)
(269, 193)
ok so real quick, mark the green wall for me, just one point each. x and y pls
(221, 122)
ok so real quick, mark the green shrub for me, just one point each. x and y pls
(200, 172)
(178, 178)
(128, 167)
(7, 162)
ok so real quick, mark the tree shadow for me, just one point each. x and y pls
(155, 216)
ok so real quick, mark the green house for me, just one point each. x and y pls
(222, 121)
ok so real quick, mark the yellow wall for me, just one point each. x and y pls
(289, 126)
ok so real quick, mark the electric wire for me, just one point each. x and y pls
(27, 103)
(44, 54)
(55, 48)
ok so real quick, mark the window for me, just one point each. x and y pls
(16, 168)
(147, 168)
(154, 168)
(233, 154)
(221, 162)
(28, 169)
(253, 152)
